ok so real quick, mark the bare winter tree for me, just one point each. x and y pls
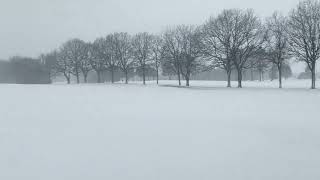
(105, 50)
(247, 37)
(234, 40)
(111, 53)
(217, 40)
(173, 51)
(304, 35)
(64, 64)
(142, 51)
(124, 53)
(74, 50)
(157, 53)
(85, 65)
(277, 42)
(97, 57)
(191, 51)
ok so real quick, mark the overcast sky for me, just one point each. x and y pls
(31, 27)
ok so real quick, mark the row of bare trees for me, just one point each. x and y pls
(118, 50)
(234, 40)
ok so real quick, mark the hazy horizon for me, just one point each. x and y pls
(29, 28)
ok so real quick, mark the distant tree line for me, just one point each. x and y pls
(24, 70)
(235, 41)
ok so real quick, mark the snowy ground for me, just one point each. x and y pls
(132, 132)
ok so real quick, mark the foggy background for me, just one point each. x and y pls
(143, 132)
(29, 28)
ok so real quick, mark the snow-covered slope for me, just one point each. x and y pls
(132, 132)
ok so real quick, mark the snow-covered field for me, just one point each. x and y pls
(132, 132)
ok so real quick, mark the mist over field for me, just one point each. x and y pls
(29, 28)
(159, 90)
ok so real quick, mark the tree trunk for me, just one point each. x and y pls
(78, 79)
(239, 78)
(260, 75)
(187, 80)
(49, 76)
(157, 75)
(67, 77)
(251, 70)
(78, 76)
(144, 75)
(280, 75)
(99, 76)
(85, 75)
(126, 74)
(112, 74)
(313, 76)
(179, 78)
(229, 78)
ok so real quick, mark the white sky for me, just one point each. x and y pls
(31, 27)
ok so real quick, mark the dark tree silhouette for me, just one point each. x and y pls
(277, 42)
(97, 57)
(304, 35)
(124, 53)
(191, 51)
(173, 51)
(142, 52)
(74, 52)
(157, 53)
(217, 40)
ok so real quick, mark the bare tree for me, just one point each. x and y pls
(217, 40)
(112, 41)
(64, 64)
(191, 51)
(97, 57)
(74, 50)
(247, 37)
(142, 51)
(173, 51)
(277, 42)
(124, 53)
(85, 65)
(304, 35)
(231, 39)
(157, 53)
(106, 55)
